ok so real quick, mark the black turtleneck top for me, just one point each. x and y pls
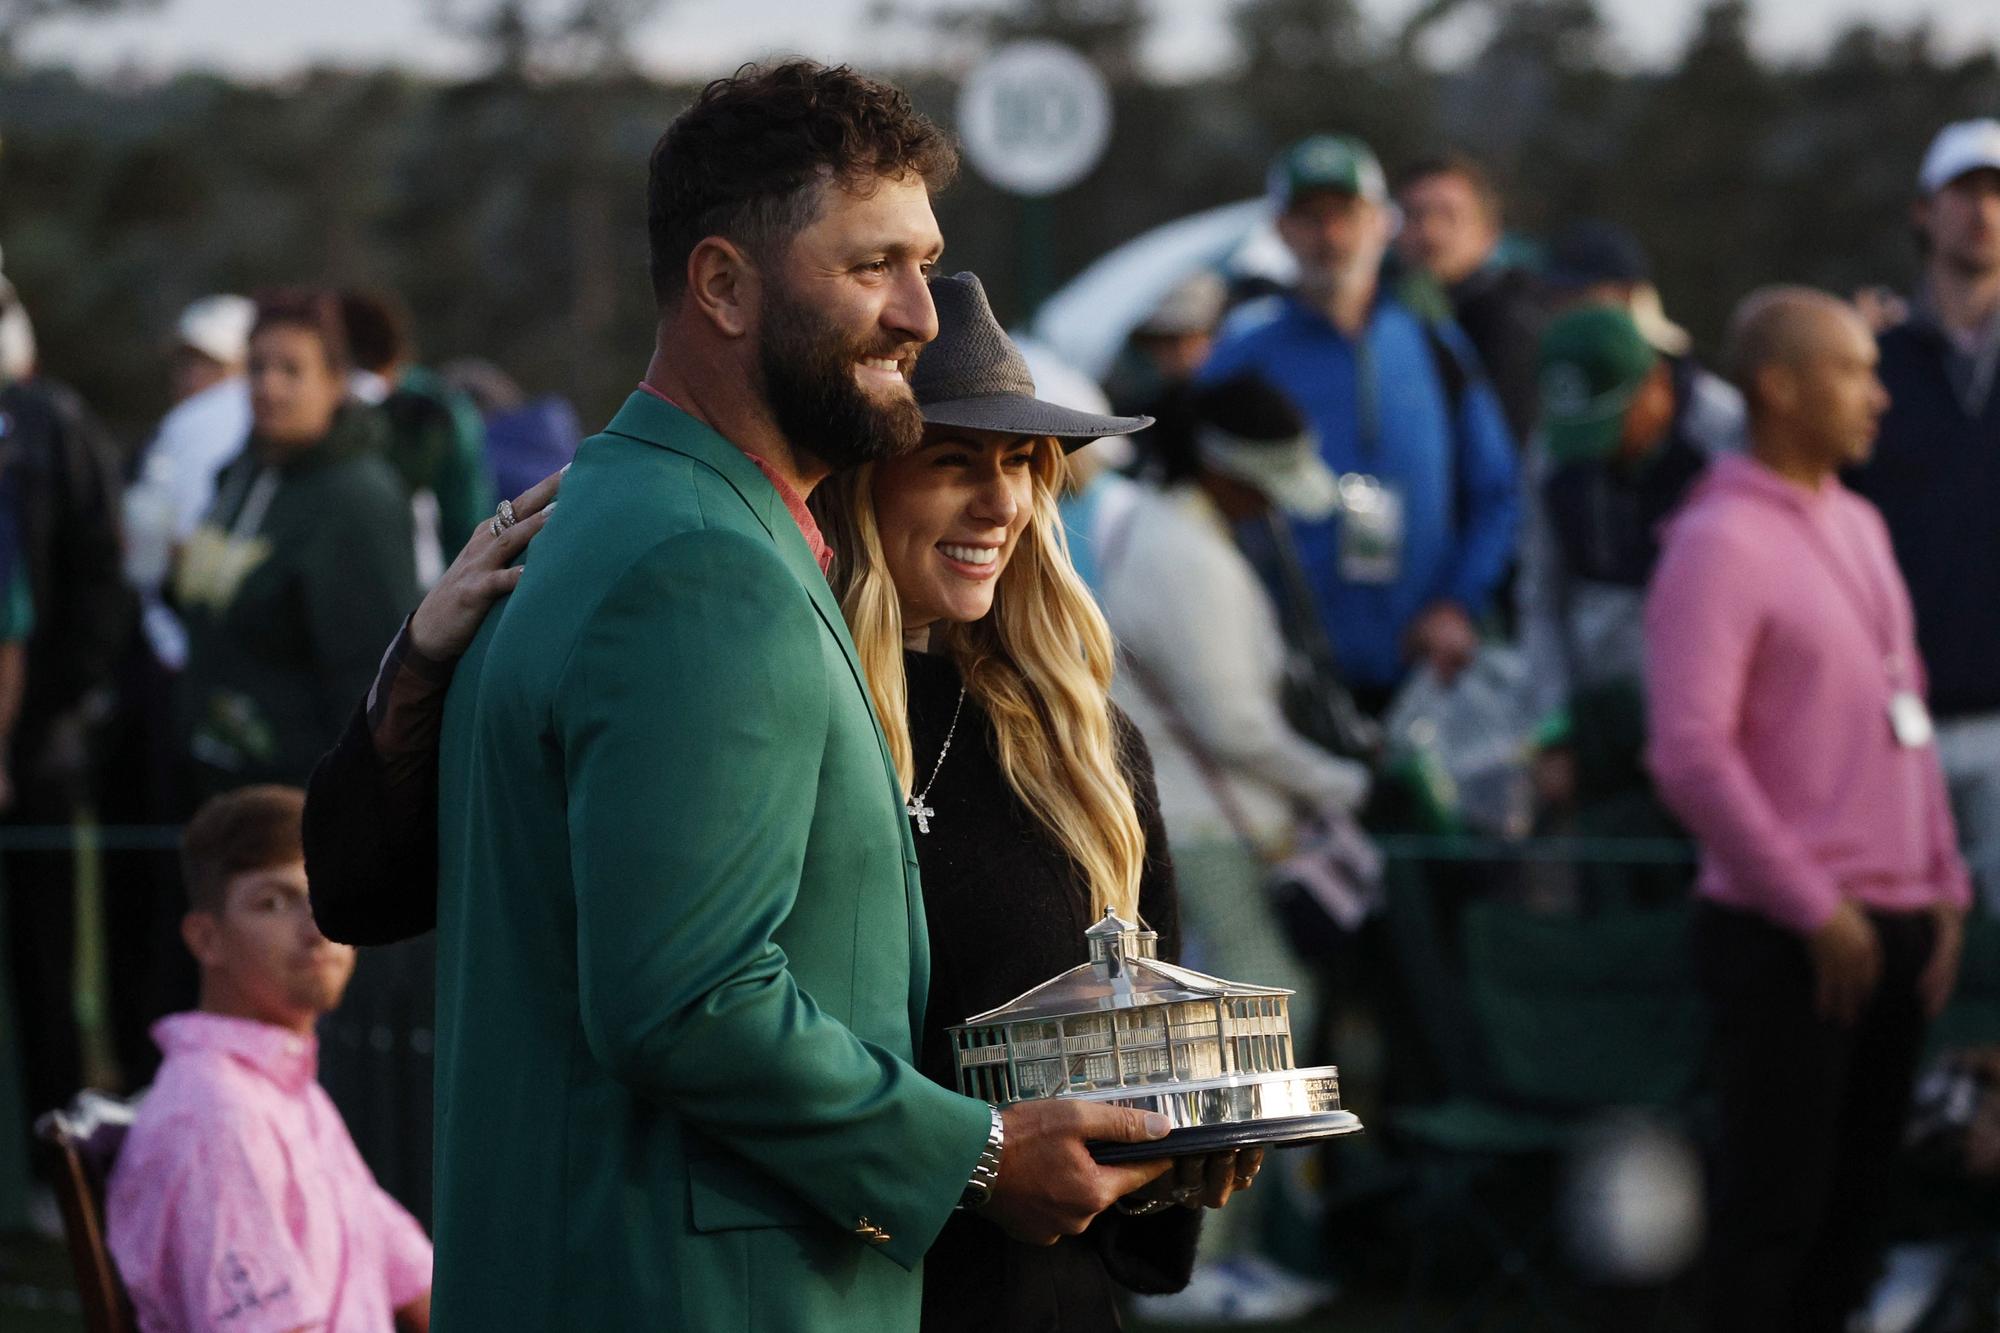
(1006, 910)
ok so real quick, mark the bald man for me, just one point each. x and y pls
(1790, 733)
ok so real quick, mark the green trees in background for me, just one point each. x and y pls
(509, 208)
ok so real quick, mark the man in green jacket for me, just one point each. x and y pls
(682, 951)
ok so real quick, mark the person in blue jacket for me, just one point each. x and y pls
(1424, 534)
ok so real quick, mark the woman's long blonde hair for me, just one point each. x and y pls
(1039, 663)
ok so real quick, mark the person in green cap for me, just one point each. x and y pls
(1620, 444)
(1401, 573)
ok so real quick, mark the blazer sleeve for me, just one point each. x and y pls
(690, 720)
(371, 818)
(371, 849)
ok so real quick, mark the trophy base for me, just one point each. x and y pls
(1290, 1132)
(1269, 1108)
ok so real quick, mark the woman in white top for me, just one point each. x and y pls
(1202, 676)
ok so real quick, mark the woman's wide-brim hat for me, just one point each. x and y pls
(973, 377)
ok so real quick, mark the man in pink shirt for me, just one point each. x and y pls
(1789, 732)
(239, 1202)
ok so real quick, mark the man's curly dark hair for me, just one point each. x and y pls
(750, 160)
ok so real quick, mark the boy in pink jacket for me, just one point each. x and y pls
(1789, 732)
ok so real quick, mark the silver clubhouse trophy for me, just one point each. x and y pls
(1213, 1056)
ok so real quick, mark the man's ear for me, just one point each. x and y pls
(202, 933)
(1778, 386)
(724, 286)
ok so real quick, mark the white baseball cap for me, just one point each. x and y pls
(218, 327)
(1965, 145)
(1192, 305)
(1288, 473)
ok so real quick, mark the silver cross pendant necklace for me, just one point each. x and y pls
(915, 805)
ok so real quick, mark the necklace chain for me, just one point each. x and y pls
(915, 805)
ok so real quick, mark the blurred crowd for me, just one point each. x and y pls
(202, 613)
(1394, 554)
(1384, 565)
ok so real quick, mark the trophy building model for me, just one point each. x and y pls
(1213, 1056)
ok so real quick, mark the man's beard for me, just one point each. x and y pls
(808, 367)
(1325, 283)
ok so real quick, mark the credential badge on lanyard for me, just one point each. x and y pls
(1371, 529)
(1910, 720)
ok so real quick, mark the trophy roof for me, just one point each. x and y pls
(1092, 987)
(1111, 924)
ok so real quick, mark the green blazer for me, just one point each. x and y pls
(682, 958)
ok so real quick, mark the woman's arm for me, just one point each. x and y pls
(371, 804)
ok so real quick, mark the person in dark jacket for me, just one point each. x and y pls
(1007, 896)
(303, 564)
(1936, 471)
(1452, 231)
(1624, 436)
(62, 471)
(1624, 439)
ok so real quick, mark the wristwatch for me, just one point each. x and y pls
(986, 1170)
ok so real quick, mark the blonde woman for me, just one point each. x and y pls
(1030, 796)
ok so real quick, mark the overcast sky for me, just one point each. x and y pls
(272, 37)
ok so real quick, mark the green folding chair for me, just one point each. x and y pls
(1574, 1015)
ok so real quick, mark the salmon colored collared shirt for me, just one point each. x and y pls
(239, 1203)
(795, 504)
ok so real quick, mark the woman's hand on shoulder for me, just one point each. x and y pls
(484, 571)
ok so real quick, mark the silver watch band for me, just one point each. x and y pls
(986, 1170)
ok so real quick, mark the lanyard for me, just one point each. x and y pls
(1868, 606)
(258, 488)
(1367, 400)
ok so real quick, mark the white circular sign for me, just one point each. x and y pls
(1035, 117)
